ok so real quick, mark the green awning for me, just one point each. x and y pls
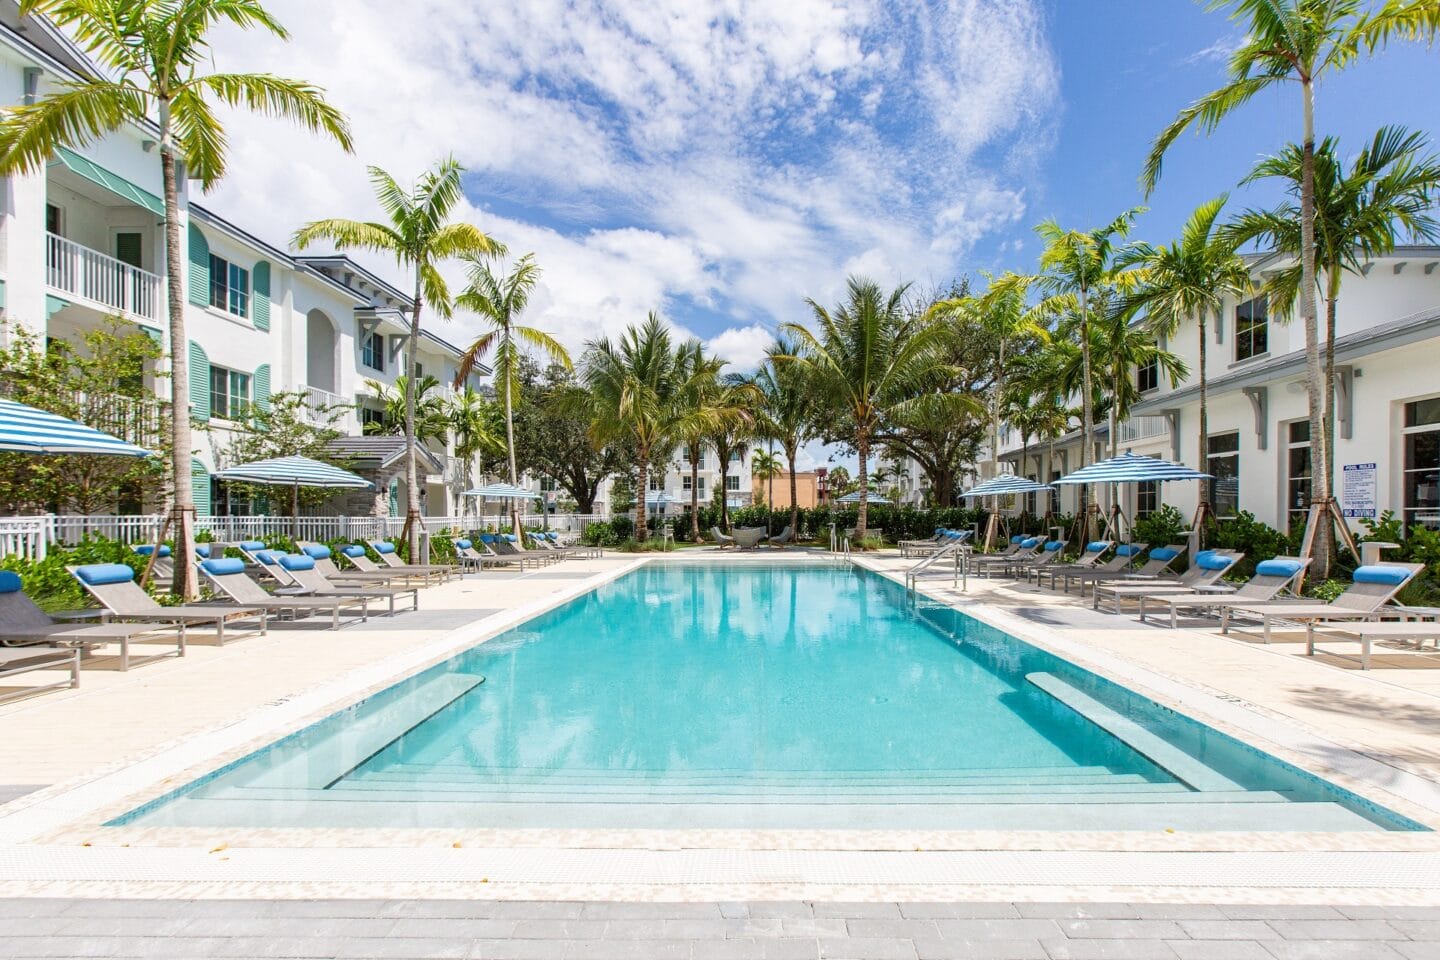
(117, 185)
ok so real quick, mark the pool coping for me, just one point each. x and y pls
(52, 842)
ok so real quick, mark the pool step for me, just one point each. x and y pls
(419, 769)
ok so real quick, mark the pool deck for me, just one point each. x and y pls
(127, 737)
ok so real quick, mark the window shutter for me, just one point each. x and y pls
(200, 488)
(262, 387)
(260, 300)
(199, 268)
(199, 383)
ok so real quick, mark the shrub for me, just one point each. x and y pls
(1160, 528)
(1243, 533)
(51, 586)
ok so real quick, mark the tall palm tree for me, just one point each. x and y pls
(499, 301)
(468, 414)
(865, 361)
(420, 236)
(432, 419)
(1300, 42)
(637, 387)
(706, 397)
(153, 56)
(785, 410)
(1387, 194)
(1189, 279)
(766, 466)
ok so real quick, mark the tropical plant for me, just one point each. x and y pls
(1300, 42)
(710, 403)
(1387, 194)
(636, 395)
(1189, 279)
(499, 301)
(729, 441)
(468, 417)
(552, 437)
(419, 235)
(429, 414)
(765, 467)
(864, 362)
(784, 411)
(288, 426)
(152, 57)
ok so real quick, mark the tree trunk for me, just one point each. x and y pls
(1087, 408)
(992, 523)
(694, 494)
(724, 457)
(1323, 546)
(412, 468)
(770, 511)
(1205, 506)
(862, 447)
(510, 450)
(790, 450)
(183, 507)
(1332, 295)
(642, 529)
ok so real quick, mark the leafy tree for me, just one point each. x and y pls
(420, 236)
(839, 482)
(153, 57)
(765, 466)
(865, 361)
(728, 440)
(287, 428)
(499, 301)
(426, 409)
(1300, 42)
(101, 385)
(785, 411)
(711, 403)
(552, 435)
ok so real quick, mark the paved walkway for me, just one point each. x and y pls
(362, 929)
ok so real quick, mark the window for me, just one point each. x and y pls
(1147, 498)
(229, 393)
(657, 482)
(225, 501)
(1224, 466)
(229, 287)
(368, 416)
(129, 248)
(372, 351)
(1054, 492)
(1422, 463)
(685, 484)
(699, 460)
(732, 482)
(53, 220)
(1297, 469)
(735, 455)
(1252, 329)
(547, 485)
(1147, 376)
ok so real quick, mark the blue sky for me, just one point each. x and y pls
(721, 160)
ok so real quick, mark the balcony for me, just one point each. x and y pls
(320, 405)
(94, 279)
(1143, 428)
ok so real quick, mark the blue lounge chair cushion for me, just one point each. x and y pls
(464, 544)
(1382, 573)
(1029, 542)
(1097, 546)
(202, 550)
(10, 581)
(297, 561)
(1278, 568)
(510, 537)
(1017, 539)
(1164, 553)
(384, 547)
(1054, 545)
(487, 538)
(146, 549)
(99, 574)
(353, 550)
(249, 546)
(1210, 560)
(269, 557)
(225, 566)
(1129, 549)
(553, 537)
(317, 551)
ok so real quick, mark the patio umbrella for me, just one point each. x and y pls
(26, 429)
(1130, 467)
(1003, 486)
(855, 498)
(501, 491)
(295, 472)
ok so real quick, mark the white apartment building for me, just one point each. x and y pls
(1387, 402)
(83, 240)
(670, 483)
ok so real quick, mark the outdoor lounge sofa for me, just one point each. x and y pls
(1272, 577)
(1371, 587)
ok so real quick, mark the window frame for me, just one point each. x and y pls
(1409, 513)
(1247, 327)
(1211, 455)
(372, 351)
(237, 404)
(229, 287)
(1291, 446)
(1147, 376)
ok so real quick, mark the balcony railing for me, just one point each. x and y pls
(1143, 428)
(101, 280)
(319, 404)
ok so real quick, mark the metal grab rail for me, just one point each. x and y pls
(956, 550)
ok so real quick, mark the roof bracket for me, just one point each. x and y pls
(1259, 398)
(1345, 401)
(1172, 422)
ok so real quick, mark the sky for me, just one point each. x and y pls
(721, 161)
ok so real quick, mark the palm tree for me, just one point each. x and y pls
(766, 466)
(1301, 42)
(706, 397)
(152, 56)
(637, 387)
(785, 410)
(865, 361)
(432, 419)
(419, 235)
(1386, 195)
(468, 414)
(1189, 279)
(499, 301)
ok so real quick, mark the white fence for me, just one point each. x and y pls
(101, 279)
(24, 537)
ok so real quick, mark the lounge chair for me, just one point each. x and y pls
(230, 578)
(268, 563)
(748, 538)
(1371, 587)
(500, 549)
(483, 556)
(1028, 549)
(722, 540)
(509, 545)
(542, 544)
(1272, 578)
(23, 624)
(113, 584)
(1048, 554)
(940, 537)
(1155, 568)
(324, 559)
(163, 569)
(1366, 633)
(928, 549)
(784, 538)
(1089, 559)
(356, 556)
(385, 550)
(579, 549)
(1121, 560)
(15, 662)
(1208, 568)
(315, 583)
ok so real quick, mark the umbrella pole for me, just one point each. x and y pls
(155, 552)
(295, 514)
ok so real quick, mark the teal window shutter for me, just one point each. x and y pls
(260, 299)
(394, 496)
(199, 268)
(199, 383)
(262, 387)
(200, 488)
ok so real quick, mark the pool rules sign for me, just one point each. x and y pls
(1357, 491)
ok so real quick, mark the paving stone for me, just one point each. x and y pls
(313, 947)
(665, 929)
(998, 929)
(559, 929)
(734, 911)
(980, 950)
(753, 928)
(473, 927)
(60, 947)
(519, 949)
(1335, 930)
(1177, 911)
(724, 949)
(32, 926)
(957, 911)
(648, 911)
(858, 911)
(1055, 911)
(859, 948)
(903, 929)
(1410, 913)
(1121, 929)
(1108, 950)
(780, 910)
(1280, 911)
(34, 907)
(785, 948)
(526, 910)
(1414, 951)
(818, 927)
(1219, 950)
(1229, 930)
(1418, 929)
(629, 950)
(1330, 950)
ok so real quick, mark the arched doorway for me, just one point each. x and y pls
(320, 350)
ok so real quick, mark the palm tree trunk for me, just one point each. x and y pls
(1204, 442)
(1315, 374)
(694, 493)
(510, 449)
(1332, 295)
(642, 530)
(794, 490)
(723, 455)
(183, 508)
(412, 469)
(1087, 408)
(992, 523)
(770, 512)
(862, 447)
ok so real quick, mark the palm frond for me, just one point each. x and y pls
(72, 117)
(275, 96)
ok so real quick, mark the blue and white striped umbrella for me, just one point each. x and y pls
(25, 429)
(294, 472)
(1131, 468)
(855, 498)
(502, 491)
(1004, 485)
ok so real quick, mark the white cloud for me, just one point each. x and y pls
(743, 347)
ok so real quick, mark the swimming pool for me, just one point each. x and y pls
(689, 695)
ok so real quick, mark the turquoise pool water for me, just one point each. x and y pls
(746, 695)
